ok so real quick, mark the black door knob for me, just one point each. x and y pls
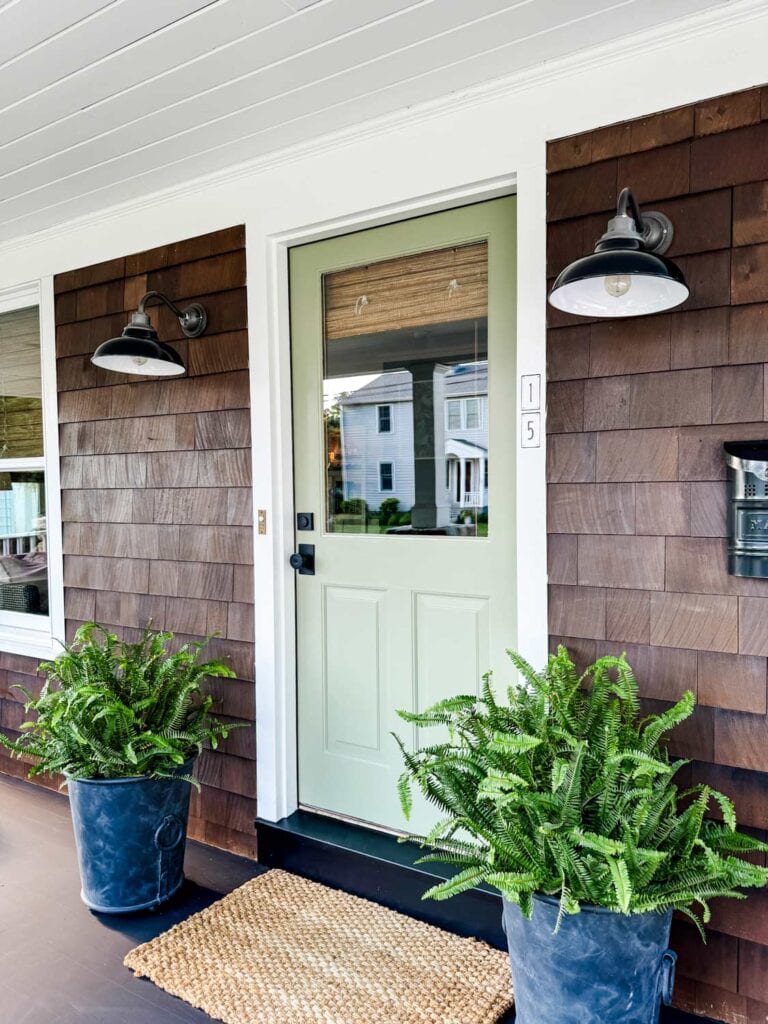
(303, 560)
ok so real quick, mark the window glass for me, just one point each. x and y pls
(23, 543)
(406, 342)
(23, 522)
(21, 407)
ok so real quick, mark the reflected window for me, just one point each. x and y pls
(385, 419)
(454, 414)
(406, 344)
(472, 413)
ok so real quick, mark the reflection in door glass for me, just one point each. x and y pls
(406, 395)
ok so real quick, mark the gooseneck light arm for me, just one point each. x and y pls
(626, 205)
(193, 319)
(161, 298)
(652, 231)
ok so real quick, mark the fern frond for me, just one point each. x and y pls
(113, 709)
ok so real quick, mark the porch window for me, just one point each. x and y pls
(31, 592)
(386, 476)
(385, 419)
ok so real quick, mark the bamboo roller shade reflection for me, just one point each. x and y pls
(434, 287)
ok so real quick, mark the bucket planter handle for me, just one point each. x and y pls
(169, 833)
(668, 967)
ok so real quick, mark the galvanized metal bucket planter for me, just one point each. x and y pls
(130, 835)
(600, 968)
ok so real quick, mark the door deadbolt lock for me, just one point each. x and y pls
(305, 520)
(303, 561)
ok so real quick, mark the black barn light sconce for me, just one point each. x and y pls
(627, 274)
(139, 350)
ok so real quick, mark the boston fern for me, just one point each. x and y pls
(566, 791)
(111, 709)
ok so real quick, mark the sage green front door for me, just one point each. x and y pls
(404, 412)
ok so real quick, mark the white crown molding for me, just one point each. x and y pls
(669, 34)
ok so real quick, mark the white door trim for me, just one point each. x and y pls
(275, 614)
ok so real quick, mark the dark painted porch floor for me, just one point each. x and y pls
(60, 964)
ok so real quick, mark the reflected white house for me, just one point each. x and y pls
(377, 439)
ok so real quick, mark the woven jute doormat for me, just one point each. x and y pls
(284, 950)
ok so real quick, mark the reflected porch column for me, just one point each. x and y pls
(431, 507)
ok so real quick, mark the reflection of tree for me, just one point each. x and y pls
(332, 420)
(332, 415)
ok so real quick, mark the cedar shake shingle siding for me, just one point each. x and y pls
(637, 414)
(156, 492)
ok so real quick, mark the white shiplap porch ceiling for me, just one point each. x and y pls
(105, 100)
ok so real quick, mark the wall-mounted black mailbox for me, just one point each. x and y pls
(747, 507)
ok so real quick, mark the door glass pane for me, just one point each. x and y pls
(23, 543)
(21, 408)
(405, 391)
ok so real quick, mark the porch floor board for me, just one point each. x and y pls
(61, 964)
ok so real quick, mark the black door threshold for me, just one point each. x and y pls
(377, 867)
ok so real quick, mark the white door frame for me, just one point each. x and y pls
(275, 610)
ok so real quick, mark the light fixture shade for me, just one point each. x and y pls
(619, 282)
(627, 274)
(138, 350)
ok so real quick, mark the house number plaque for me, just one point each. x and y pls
(530, 415)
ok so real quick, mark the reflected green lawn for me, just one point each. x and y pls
(352, 524)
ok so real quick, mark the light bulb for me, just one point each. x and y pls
(617, 285)
(138, 360)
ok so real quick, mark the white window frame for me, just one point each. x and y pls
(384, 405)
(387, 490)
(40, 635)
